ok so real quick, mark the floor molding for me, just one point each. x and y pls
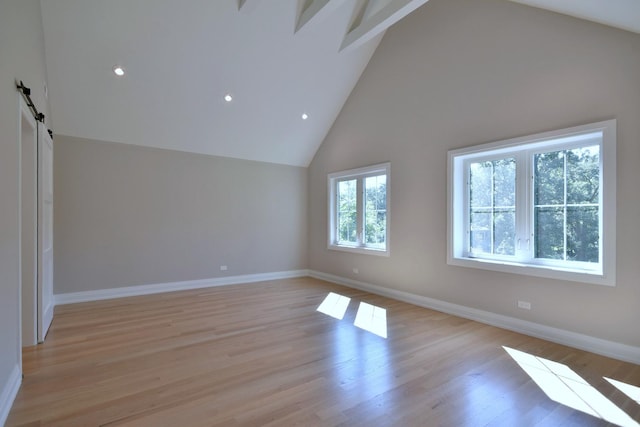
(129, 291)
(612, 349)
(9, 393)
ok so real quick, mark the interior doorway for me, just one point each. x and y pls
(35, 225)
(45, 233)
(28, 140)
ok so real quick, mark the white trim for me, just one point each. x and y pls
(130, 291)
(544, 271)
(9, 393)
(522, 148)
(48, 316)
(359, 174)
(607, 348)
(361, 249)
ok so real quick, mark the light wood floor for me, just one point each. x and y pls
(260, 354)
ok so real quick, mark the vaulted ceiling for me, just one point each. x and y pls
(624, 14)
(278, 59)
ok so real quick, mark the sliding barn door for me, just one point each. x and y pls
(45, 232)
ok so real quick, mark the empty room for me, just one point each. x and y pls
(319, 213)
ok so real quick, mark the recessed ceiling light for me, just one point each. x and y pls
(118, 70)
(304, 116)
(228, 97)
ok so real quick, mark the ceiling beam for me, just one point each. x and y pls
(374, 23)
(623, 14)
(247, 6)
(316, 11)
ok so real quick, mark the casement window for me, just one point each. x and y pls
(541, 205)
(359, 210)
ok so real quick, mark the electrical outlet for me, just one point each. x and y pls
(223, 268)
(356, 271)
(524, 305)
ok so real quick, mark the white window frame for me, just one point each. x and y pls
(523, 149)
(358, 174)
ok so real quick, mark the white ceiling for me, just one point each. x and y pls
(278, 58)
(182, 57)
(623, 14)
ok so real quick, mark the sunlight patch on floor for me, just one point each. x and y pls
(369, 317)
(561, 384)
(632, 391)
(372, 318)
(334, 305)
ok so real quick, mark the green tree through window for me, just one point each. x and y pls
(347, 213)
(376, 210)
(566, 204)
(359, 211)
(539, 205)
(492, 196)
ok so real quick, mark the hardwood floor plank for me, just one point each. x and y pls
(261, 355)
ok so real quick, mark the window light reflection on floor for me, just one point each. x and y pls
(372, 318)
(369, 317)
(561, 384)
(632, 391)
(334, 305)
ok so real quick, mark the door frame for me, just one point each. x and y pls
(44, 289)
(27, 164)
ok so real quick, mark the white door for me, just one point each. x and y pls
(45, 232)
(28, 227)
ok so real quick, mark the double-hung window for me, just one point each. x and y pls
(359, 210)
(541, 205)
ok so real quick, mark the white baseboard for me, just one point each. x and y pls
(129, 291)
(9, 393)
(612, 349)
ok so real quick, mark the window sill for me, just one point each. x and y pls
(359, 250)
(550, 272)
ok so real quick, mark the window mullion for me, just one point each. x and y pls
(360, 208)
(334, 212)
(467, 207)
(492, 224)
(564, 210)
(524, 199)
(334, 204)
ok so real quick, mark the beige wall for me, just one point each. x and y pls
(21, 57)
(462, 72)
(127, 215)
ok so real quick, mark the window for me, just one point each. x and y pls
(541, 205)
(359, 210)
